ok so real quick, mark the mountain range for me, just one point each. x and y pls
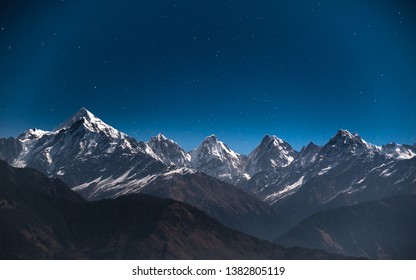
(264, 194)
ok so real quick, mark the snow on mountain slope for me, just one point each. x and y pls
(101, 162)
(28, 140)
(92, 123)
(397, 151)
(129, 182)
(287, 190)
(307, 155)
(330, 163)
(345, 144)
(353, 181)
(168, 151)
(214, 158)
(345, 171)
(270, 154)
(86, 151)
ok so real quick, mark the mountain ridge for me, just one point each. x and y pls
(286, 156)
(42, 218)
(391, 223)
(100, 162)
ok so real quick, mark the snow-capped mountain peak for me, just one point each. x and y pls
(217, 159)
(344, 141)
(217, 147)
(273, 139)
(28, 140)
(81, 114)
(91, 123)
(398, 151)
(161, 137)
(168, 151)
(212, 140)
(272, 152)
(32, 134)
(345, 134)
(344, 137)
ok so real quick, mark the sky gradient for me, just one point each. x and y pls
(240, 69)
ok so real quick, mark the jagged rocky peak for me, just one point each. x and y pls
(310, 146)
(168, 151)
(160, 137)
(398, 151)
(212, 146)
(215, 158)
(91, 123)
(344, 140)
(82, 114)
(271, 153)
(344, 137)
(32, 134)
(211, 139)
(272, 139)
(308, 154)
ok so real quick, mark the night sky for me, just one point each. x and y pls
(240, 69)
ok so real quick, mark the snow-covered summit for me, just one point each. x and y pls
(215, 158)
(212, 138)
(91, 123)
(32, 134)
(271, 153)
(344, 138)
(160, 137)
(346, 143)
(28, 140)
(168, 151)
(212, 146)
(398, 151)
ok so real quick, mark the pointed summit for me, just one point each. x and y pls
(346, 143)
(168, 151)
(159, 138)
(215, 158)
(345, 132)
(309, 148)
(272, 152)
(345, 138)
(90, 122)
(214, 146)
(271, 140)
(308, 154)
(82, 114)
(211, 138)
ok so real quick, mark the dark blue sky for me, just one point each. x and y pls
(239, 69)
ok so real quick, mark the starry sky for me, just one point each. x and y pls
(240, 69)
